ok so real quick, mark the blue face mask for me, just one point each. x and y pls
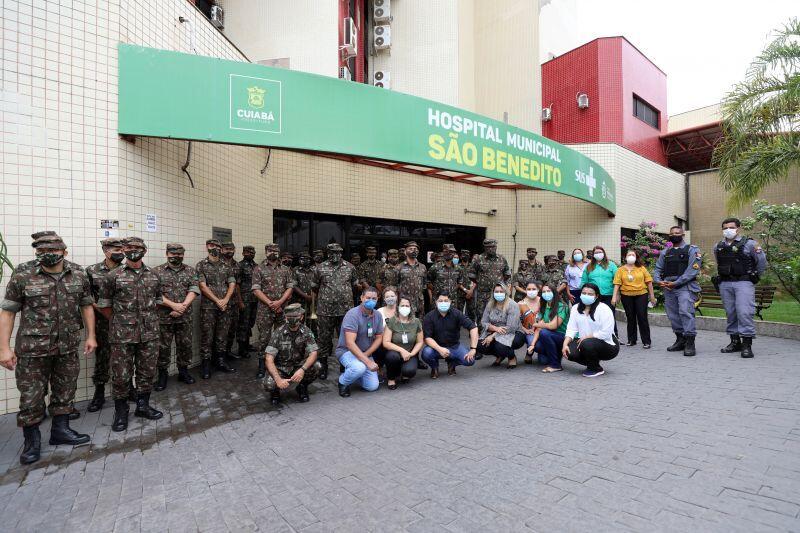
(578, 257)
(455, 261)
(370, 304)
(499, 296)
(443, 307)
(547, 296)
(587, 299)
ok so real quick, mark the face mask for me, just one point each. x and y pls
(578, 257)
(631, 259)
(49, 259)
(175, 260)
(304, 262)
(443, 307)
(599, 256)
(547, 296)
(227, 255)
(531, 257)
(134, 255)
(587, 299)
(491, 252)
(447, 258)
(117, 257)
(412, 254)
(532, 293)
(335, 258)
(272, 256)
(249, 257)
(499, 296)
(370, 304)
(404, 311)
(456, 261)
(675, 239)
(213, 252)
(391, 300)
(293, 321)
(729, 233)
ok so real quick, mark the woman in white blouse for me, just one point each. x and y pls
(590, 332)
(500, 321)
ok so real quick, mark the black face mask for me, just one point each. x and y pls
(392, 260)
(249, 257)
(675, 239)
(227, 255)
(490, 252)
(134, 255)
(49, 259)
(117, 257)
(272, 256)
(334, 257)
(305, 261)
(213, 252)
(175, 261)
(447, 258)
(293, 321)
(319, 259)
(412, 254)
(531, 257)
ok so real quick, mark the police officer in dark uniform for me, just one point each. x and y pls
(740, 264)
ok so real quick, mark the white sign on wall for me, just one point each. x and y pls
(151, 223)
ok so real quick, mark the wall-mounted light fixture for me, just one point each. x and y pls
(583, 100)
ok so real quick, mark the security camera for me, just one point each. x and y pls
(492, 212)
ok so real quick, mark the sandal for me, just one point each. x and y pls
(528, 360)
(509, 366)
(391, 386)
(550, 370)
(497, 361)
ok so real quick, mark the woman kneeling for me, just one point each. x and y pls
(402, 340)
(590, 333)
(551, 329)
(500, 323)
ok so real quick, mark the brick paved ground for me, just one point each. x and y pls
(661, 442)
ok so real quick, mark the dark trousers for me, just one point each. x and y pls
(548, 346)
(501, 350)
(576, 293)
(606, 299)
(591, 352)
(636, 313)
(396, 367)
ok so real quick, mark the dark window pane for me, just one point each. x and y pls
(291, 234)
(326, 232)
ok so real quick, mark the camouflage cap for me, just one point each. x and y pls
(532, 249)
(286, 254)
(490, 242)
(213, 241)
(40, 234)
(175, 248)
(392, 251)
(112, 241)
(271, 245)
(465, 251)
(448, 248)
(371, 249)
(135, 241)
(304, 254)
(334, 247)
(409, 244)
(228, 244)
(293, 310)
(248, 248)
(318, 251)
(51, 242)
(355, 254)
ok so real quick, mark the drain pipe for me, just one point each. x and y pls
(185, 167)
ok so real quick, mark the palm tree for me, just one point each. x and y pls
(761, 121)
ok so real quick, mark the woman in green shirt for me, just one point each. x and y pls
(552, 328)
(402, 340)
(600, 271)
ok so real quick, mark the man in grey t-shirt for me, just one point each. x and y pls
(359, 337)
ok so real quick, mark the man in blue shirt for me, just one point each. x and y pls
(360, 335)
(442, 329)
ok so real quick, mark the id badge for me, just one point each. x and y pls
(405, 338)
(370, 332)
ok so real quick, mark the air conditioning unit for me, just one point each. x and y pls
(218, 17)
(381, 10)
(350, 44)
(547, 114)
(382, 78)
(382, 37)
(583, 100)
(345, 74)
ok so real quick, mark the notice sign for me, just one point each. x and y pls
(150, 223)
(110, 228)
(222, 234)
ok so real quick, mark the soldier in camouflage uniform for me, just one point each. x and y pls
(521, 279)
(467, 300)
(487, 270)
(291, 356)
(303, 282)
(247, 316)
(553, 273)
(334, 281)
(318, 256)
(287, 260)
(273, 285)
(369, 271)
(217, 284)
(112, 248)
(389, 275)
(412, 279)
(129, 299)
(446, 276)
(179, 287)
(55, 302)
(536, 267)
(237, 303)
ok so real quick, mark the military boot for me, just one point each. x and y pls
(262, 368)
(323, 372)
(688, 347)
(98, 399)
(734, 346)
(205, 369)
(275, 397)
(161, 381)
(131, 392)
(184, 375)
(747, 347)
(144, 410)
(61, 433)
(221, 366)
(74, 414)
(302, 392)
(229, 353)
(244, 350)
(31, 450)
(121, 411)
(679, 344)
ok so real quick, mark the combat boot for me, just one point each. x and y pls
(98, 399)
(230, 354)
(688, 347)
(121, 411)
(302, 392)
(244, 350)
(262, 368)
(161, 381)
(74, 414)
(205, 369)
(734, 346)
(31, 450)
(184, 375)
(679, 344)
(144, 410)
(323, 372)
(747, 347)
(221, 366)
(61, 433)
(275, 397)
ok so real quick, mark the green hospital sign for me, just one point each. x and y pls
(184, 96)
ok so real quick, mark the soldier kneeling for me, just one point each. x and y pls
(291, 356)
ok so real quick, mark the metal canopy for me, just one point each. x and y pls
(692, 149)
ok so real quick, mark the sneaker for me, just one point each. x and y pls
(593, 373)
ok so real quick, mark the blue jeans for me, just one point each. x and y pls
(549, 347)
(356, 371)
(457, 353)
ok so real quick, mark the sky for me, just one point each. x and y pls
(704, 46)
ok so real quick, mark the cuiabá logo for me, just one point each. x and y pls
(255, 104)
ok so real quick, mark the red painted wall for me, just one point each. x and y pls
(357, 63)
(609, 70)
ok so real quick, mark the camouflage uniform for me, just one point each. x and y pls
(446, 278)
(521, 279)
(247, 317)
(389, 276)
(369, 271)
(303, 280)
(48, 337)
(272, 280)
(554, 276)
(214, 324)
(97, 275)
(334, 283)
(176, 284)
(486, 271)
(467, 306)
(412, 282)
(233, 307)
(290, 350)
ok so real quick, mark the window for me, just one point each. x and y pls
(645, 112)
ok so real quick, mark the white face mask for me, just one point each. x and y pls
(631, 259)
(598, 256)
(532, 293)
(404, 310)
(729, 233)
